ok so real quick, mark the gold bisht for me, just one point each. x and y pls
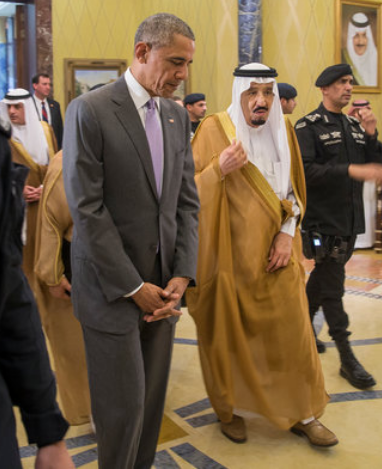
(35, 178)
(54, 230)
(256, 343)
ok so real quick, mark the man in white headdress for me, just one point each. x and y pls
(256, 344)
(369, 192)
(361, 52)
(32, 145)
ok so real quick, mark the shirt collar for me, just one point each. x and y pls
(38, 100)
(138, 94)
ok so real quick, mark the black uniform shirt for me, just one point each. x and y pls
(329, 143)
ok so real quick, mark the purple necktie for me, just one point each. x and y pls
(155, 139)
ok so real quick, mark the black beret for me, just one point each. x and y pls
(194, 98)
(333, 73)
(286, 91)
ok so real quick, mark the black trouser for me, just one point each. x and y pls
(325, 288)
(26, 379)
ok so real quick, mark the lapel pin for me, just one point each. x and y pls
(171, 121)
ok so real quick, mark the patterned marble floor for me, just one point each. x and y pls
(191, 437)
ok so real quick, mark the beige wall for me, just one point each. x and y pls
(299, 41)
(85, 29)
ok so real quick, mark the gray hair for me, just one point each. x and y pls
(158, 30)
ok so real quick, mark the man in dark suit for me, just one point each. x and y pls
(129, 179)
(47, 109)
(26, 379)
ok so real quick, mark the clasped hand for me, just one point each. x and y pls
(160, 303)
(32, 194)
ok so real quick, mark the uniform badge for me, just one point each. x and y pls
(301, 125)
(324, 136)
(313, 117)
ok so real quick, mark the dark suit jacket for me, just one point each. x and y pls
(57, 125)
(118, 220)
(55, 113)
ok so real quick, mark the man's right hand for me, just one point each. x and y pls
(62, 290)
(149, 298)
(366, 172)
(232, 158)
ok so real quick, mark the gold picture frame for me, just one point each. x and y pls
(358, 42)
(83, 74)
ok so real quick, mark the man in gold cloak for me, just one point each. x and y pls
(32, 145)
(256, 343)
(53, 286)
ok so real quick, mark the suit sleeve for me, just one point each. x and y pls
(58, 125)
(373, 149)
(98, 237)
(186, 250)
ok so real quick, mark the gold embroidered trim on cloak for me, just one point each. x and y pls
(281, 209)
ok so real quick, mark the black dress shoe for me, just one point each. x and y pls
(321, 347)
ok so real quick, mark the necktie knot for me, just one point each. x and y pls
(151, 104)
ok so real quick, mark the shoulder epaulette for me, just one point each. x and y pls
(313, 117)
(352, 119)
(300, 125)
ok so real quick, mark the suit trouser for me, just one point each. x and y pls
(26, 379)
(128, 376)
(326, 287)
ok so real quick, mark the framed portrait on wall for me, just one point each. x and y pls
(358, 42)
(83, 74)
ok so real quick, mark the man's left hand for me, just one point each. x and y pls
(280, 252)
(32, 194)
(368, 120)
(172, 295)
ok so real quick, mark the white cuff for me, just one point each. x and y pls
(289, 227)
(134, 291)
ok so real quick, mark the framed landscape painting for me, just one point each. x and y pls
(81, 75)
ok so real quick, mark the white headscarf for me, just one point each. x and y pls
(267, 145)
(31, 135)
(366, 64)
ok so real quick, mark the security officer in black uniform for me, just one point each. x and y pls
(288, 95)
(339, 153)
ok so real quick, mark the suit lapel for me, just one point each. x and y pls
(168, 119)
(128, 116)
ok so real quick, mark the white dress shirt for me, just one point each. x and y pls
(39, 102)
(140, 97)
